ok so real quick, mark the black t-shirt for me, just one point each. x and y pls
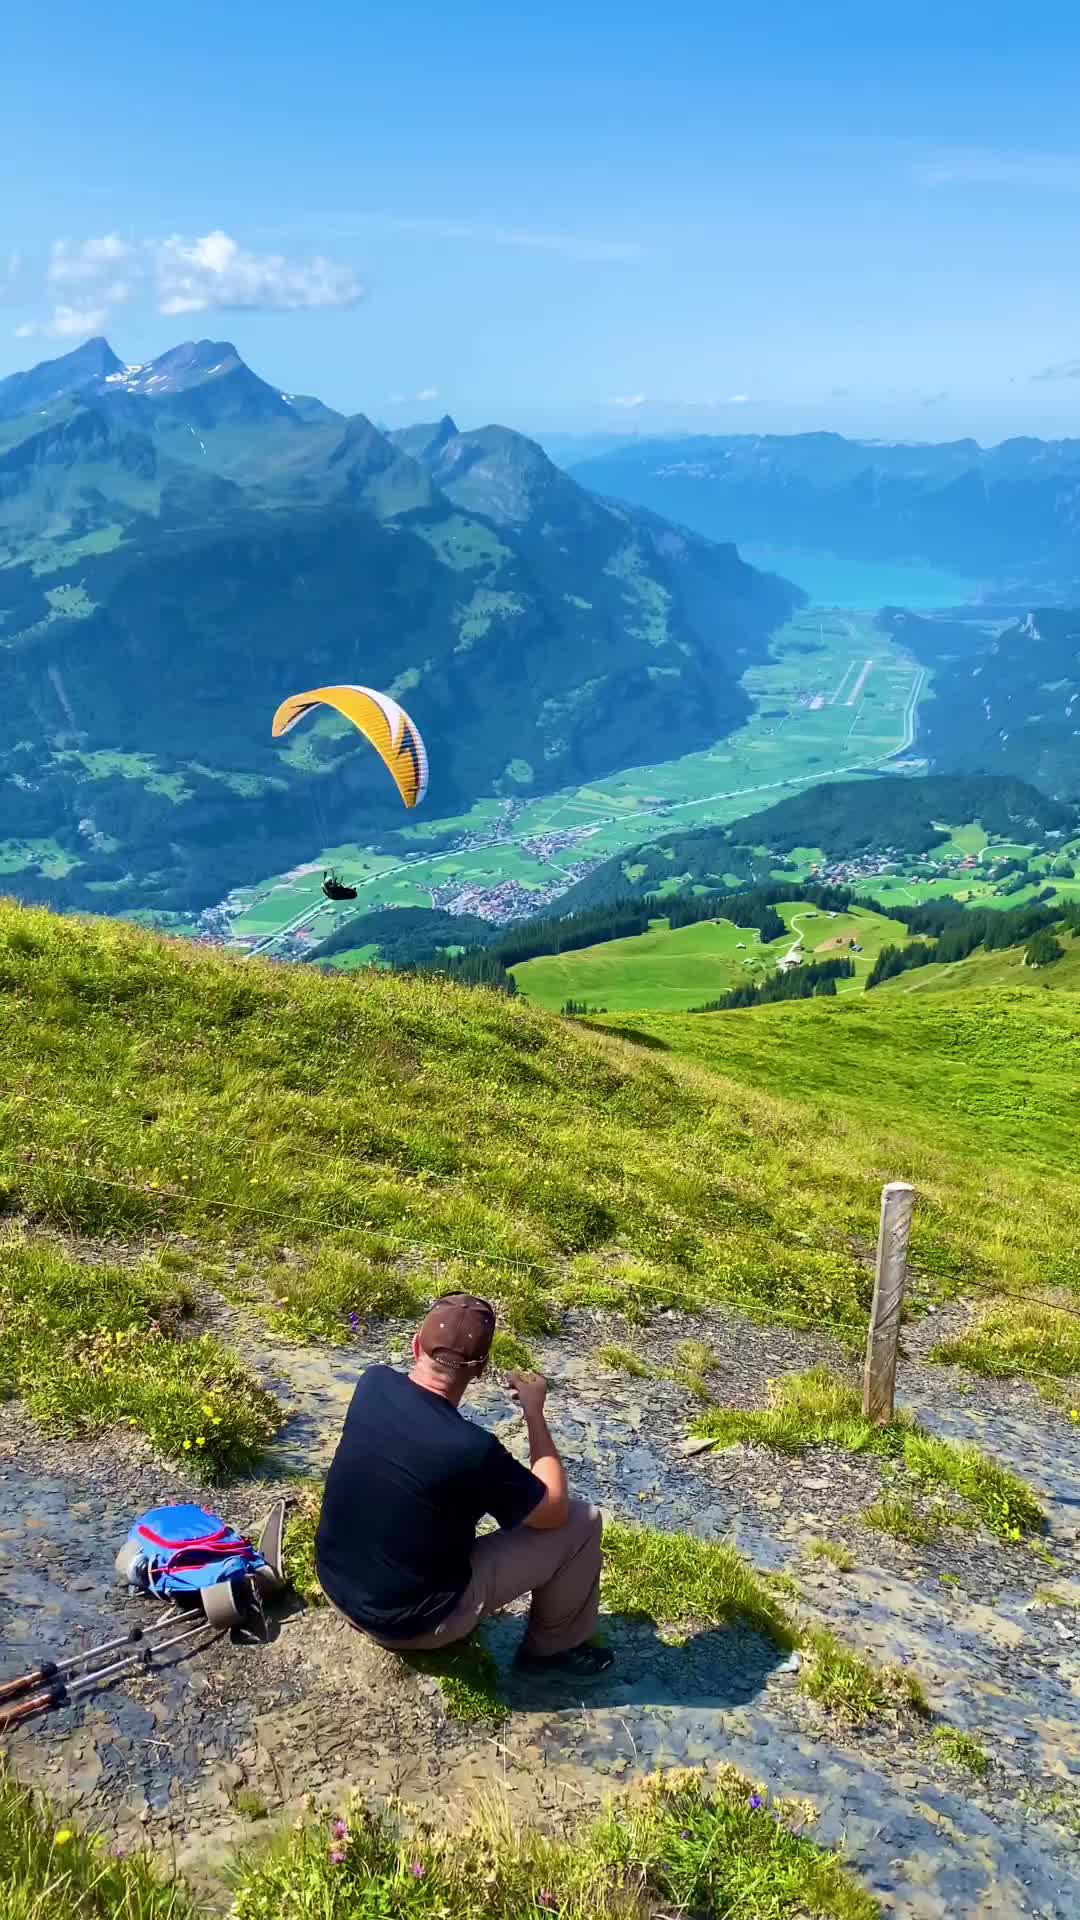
(409, 1481)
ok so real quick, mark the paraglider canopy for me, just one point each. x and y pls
(380, 720)
(335, 889)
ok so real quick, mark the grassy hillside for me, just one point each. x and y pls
(971, 1096)
(343, 1146)
(673, 969)
(1005, 969)
(364, 1135)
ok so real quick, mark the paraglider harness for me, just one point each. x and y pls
(336, 889)
(215, 1578)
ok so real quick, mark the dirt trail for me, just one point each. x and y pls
(319, 1709)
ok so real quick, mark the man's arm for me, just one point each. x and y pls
(530, 1392)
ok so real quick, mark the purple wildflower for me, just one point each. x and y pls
(337, 1856)
(340, 1830)
(685, 1834)
(354, 1322)
(756, 1802)
(417, 1869)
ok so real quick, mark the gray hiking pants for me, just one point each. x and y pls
(559, 1566)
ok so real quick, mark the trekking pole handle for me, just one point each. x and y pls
(11, 1689)
(26, 1709)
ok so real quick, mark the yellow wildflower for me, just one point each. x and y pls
(61, 1838)
(200, 1440)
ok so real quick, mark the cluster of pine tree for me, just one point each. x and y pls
(952, 932)
(792, 983)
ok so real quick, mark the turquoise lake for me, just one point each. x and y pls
(863, 585)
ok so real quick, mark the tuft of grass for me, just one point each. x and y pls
(1001, 1500)
(696, 1360)
(301, 1526)
(468, 1677)
(509, 1353)
(680, 1582)
(697, 1357)
(1017, 1338)
(357, 1278)
(834, 1552)
(818, 1409)
(249, 1802)
(670, 1844)
(51, 1871)
(89, 1347)
(850, 1687)
(897, 1514)
(811, 1409)
(961, 1750)
(623, 1360)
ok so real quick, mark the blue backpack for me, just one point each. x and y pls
(180, 1551)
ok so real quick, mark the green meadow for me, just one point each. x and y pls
(674, 969)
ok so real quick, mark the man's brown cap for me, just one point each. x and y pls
(458, 1332)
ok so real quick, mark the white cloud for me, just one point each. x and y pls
(628, 400)
(90, 261)
(739, 400)
(186, 275)
(216, 272)
(428, 393)
(70, 322)
(1000, 167)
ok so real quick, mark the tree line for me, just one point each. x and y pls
(951, 932)
(816, 981)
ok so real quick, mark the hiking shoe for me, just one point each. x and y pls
(577, 1663)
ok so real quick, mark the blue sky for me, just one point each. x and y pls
(677, 218)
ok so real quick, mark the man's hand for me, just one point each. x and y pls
(530, 1392)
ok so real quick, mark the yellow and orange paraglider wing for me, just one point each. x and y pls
(380, 720)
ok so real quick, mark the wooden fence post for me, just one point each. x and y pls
(883, 1339)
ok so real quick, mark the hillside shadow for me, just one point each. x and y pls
(639, 1039)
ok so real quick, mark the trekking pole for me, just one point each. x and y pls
(62, 1692)
(51, 1670)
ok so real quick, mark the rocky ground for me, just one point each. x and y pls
(192, 1756)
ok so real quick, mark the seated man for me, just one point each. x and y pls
(396, 1549)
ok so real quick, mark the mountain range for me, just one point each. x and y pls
(1006, 517)
(182, 544)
